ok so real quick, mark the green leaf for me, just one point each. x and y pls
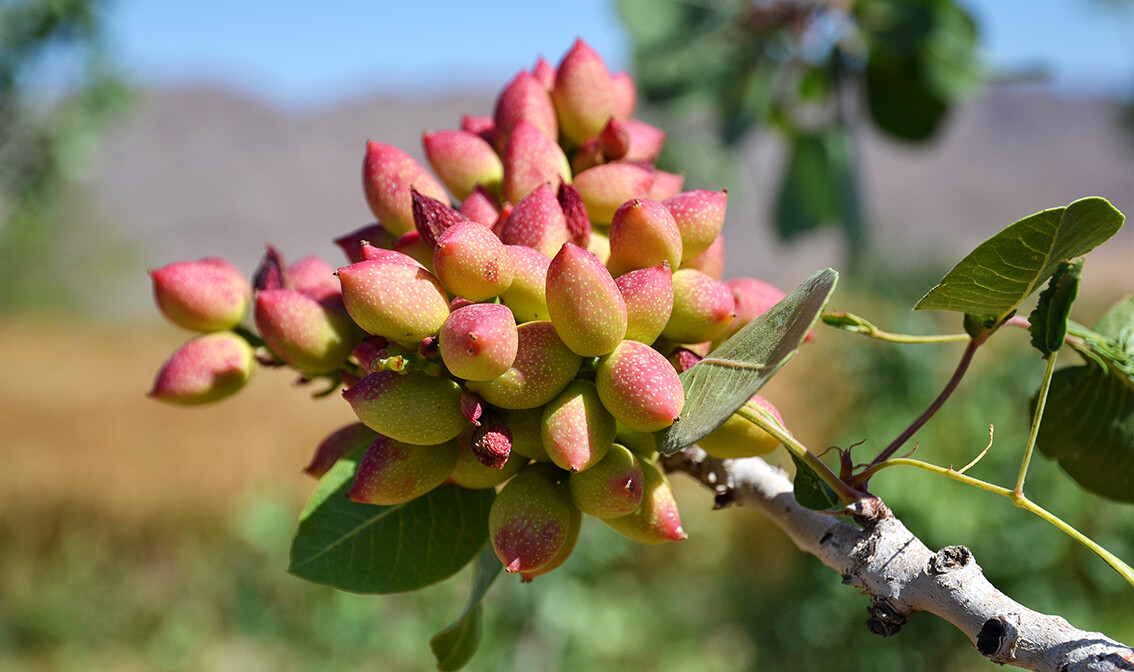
(810, 490)
(1049, 319)
(819, 186)
(365, 548)
(993, 279)
(1118, 324)
(454, 646)
(731, 374)
(1088, 427)
(1088, 422)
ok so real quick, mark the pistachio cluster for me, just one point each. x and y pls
(516, 322)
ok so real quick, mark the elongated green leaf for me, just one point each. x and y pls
(454, 646)
(994, 278)
(731, 374)
(810, 490)
(365, 548)
(1049, 319)
(1088, 423)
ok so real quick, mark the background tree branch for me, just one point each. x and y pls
(902, 576)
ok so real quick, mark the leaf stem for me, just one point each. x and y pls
(1037, 417)
(846, 493)
(1019, 500)
(854, 323)
(928, 413)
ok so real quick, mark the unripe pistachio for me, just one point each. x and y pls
(542, 368)
(606, 187)
(305, 333)
(611, 488)
(561, 556)
(575, 212)
(752, 298)
(314, 277)
(586, 307)
(479, 341)
(711, 261)
(337, 444)
(583, 94)
(665, 185)
(537, 221)
(648, 293)
(375, 234)
(431, 217)
(642, 444)
(639, 387)
(414, 246)
(206, 295)
(657, 519)
(624, 96)
(481, 207)
(527, 295)
(577, 430)
(738, 437)
(530, 159)
(531, 518)
(700, 215)
(643, 234)
(644, 141)
(208, 368)
(471, 262)
(412, 407)
(400, 302)
(369, 253)
(392, 472)
(524, 98)
(471, 472)
(544, 72)
(587, 155)
(479, 125)
(388, 173)
(462, 160)
(599, 246)
(614, 142)
(702, 308)
(527, 433)
(271, 273)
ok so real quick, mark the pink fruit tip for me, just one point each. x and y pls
(513, 566)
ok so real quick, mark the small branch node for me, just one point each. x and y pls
(998, 638)
(949, 559)
(885, 619)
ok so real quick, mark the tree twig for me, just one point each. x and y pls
(902, 576)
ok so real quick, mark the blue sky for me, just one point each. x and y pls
(305, 55)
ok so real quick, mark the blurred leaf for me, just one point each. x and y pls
(819, 186)
(899, 101)
(810, 490)
(921, 59)
(719, 384)
(454, 646)
(365, 548)
(1049, 319)
(993, 279)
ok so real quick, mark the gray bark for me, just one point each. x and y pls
(902, 576)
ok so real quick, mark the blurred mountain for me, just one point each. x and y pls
(200, 172)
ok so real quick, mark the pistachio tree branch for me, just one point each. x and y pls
(884, 560)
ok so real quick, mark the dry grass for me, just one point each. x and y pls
(78, 431)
